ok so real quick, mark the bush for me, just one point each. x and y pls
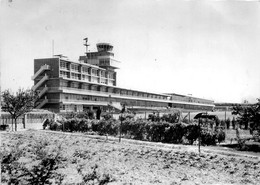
(142, 129)
(80, 115)
(211, 137)
(192, 133)
(56, 126)
(174, 133)
(134, 129)
(106, 116)
(109, 127)
(208, 137)
(220, 135)
(153, 117)
(156, 131)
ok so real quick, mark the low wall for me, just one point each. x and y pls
(32, 120)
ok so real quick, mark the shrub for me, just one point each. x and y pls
(136, 129)
(174, 133)
(220, 135)
(208, 138)
(56, 126)
(156, 131)
(192, 133)
(109, 127)
(142, 129)
(106, 116)
(153, 117)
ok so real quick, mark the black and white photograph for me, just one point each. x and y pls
(130, 92)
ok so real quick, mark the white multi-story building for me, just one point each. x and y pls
(64, 85)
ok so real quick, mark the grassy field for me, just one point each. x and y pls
(57, 158)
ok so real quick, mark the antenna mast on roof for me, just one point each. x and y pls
(87, 45)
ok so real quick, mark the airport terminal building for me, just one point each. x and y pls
(91, 82)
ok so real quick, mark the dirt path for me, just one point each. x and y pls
(131, 163)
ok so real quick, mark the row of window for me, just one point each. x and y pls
(86, 86)
(129, 103)
(83, 86)
(104, 62)
(64, 74)
(75, 76)
(86, 70)
(94, 73)
(85, 78)
(193, 107)
(106, 99)
(191, 99)
(117, 91)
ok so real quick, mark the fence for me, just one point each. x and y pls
(31, 120)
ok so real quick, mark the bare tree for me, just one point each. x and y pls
(18, 104)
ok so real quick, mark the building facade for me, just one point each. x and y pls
(75, 86)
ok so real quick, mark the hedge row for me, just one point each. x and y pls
(143, 130)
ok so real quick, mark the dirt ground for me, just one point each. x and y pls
(131, 163)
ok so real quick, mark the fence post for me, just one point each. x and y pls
(120, 128)
(199, 135)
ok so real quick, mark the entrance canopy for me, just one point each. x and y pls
(205, 115)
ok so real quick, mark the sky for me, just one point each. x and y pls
(208, 49)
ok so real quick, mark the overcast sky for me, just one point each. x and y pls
(210, 49)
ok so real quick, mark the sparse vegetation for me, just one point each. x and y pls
(32, 159)
(37, 157)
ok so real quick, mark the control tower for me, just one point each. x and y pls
(104, 47)
(103, 57)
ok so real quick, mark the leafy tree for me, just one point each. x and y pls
(19, 103)
(248, 115)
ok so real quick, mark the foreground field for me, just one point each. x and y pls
(56, 158)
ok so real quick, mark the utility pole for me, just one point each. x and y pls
(199, 134)
(121, 119)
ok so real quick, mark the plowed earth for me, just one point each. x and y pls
(126, 163)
